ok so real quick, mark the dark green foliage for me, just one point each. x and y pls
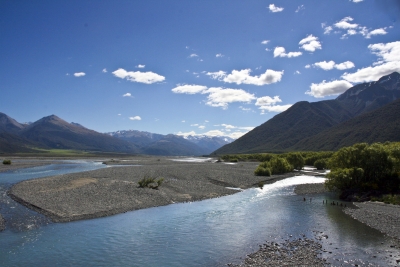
(311, 157)
(388, 199)
(150, 182)
(321, 164)
(7, 162)
(262, 171)
(296, 160)
(365, 167)
(248, 157)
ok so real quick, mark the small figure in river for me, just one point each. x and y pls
(304, 199)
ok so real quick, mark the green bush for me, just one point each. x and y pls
(321, 164)
(262, 171)
(7, 162)
(296, 160)
(150, 182)
(279, 165)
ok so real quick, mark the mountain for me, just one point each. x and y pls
(158, 144)
(53, 132)
(285, 131)
(9, 125)
(380, 125)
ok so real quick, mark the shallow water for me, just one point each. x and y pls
(207, 233)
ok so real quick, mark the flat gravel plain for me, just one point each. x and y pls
(115, 189)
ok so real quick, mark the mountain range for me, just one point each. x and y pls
(52, 132)
(367, 112)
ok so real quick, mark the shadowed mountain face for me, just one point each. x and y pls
(9, 125)
(288, 130)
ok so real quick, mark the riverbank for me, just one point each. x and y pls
(22, 163)
(115, 189)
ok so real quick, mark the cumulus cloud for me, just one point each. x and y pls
(193, 55)
(265, 42)
(189, 89)
(217, 96)
(269, 104)
(356, 1)
(137, 76)
(213, 133)
(104, 70)
(388, 62)
(140, 66)
(345, 65)
(323, 89)
(79, 74)
(221, 97)
(274, 8)
(219, 55)
(331, 64)
(281, 52)
(310, 43)
(353, 28)
(136, 118)
(307, 66)
(243, 76)
(127, 95)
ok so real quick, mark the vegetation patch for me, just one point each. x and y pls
(7, 162)
(150, 182)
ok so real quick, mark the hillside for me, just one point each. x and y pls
(289, 129)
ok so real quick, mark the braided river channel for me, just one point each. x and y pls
(212, 232)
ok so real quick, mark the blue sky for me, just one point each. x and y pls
(201, 67)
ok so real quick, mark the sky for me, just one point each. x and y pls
(209, 67)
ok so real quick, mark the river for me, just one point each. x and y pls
(212, 232)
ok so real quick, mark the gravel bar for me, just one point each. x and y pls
(304, 189)
(299, 252)
(113, 190)
(381, 216)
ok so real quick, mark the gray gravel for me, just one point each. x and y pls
(383, 217)
(303, 189)
(299, 252)
(115, 190)
(2, 223)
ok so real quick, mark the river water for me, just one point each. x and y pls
(212, 232)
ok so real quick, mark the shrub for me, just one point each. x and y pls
(279, 165)
(321, 164)
(7, 162)
(262, 171)
(296, 160)
(150, 182)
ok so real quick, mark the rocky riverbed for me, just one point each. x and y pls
(115, 190)
(2, 225)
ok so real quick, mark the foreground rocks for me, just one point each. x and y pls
(383, 217)
(115, 190)
(299, 252)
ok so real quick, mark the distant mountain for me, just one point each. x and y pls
(9, 125)
(158, 144)
(287, 130)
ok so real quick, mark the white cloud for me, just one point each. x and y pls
(323, 89)
(219, 55)
(194, 125)
(243, 76)
(300, 8)
(221, 97)
(136, 118)
(307, 66)
(193, 55)
(345, 65)
(280, 52)
(380, 31)
(354, 28)
(356, 1)
(274, 8)
(265, 42)
(344, 23)
(127, 95)
(328, 29)
(137, 76)
(140, 66)
(388, 62)
(67, 74)
(228, 126)
(325, 65)
(183, 121)
(79, 74)
(331, 64)
(310, 43)
(267, 103)
(297, 72)
(104, 70)
(202, 127)
(189, 89)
